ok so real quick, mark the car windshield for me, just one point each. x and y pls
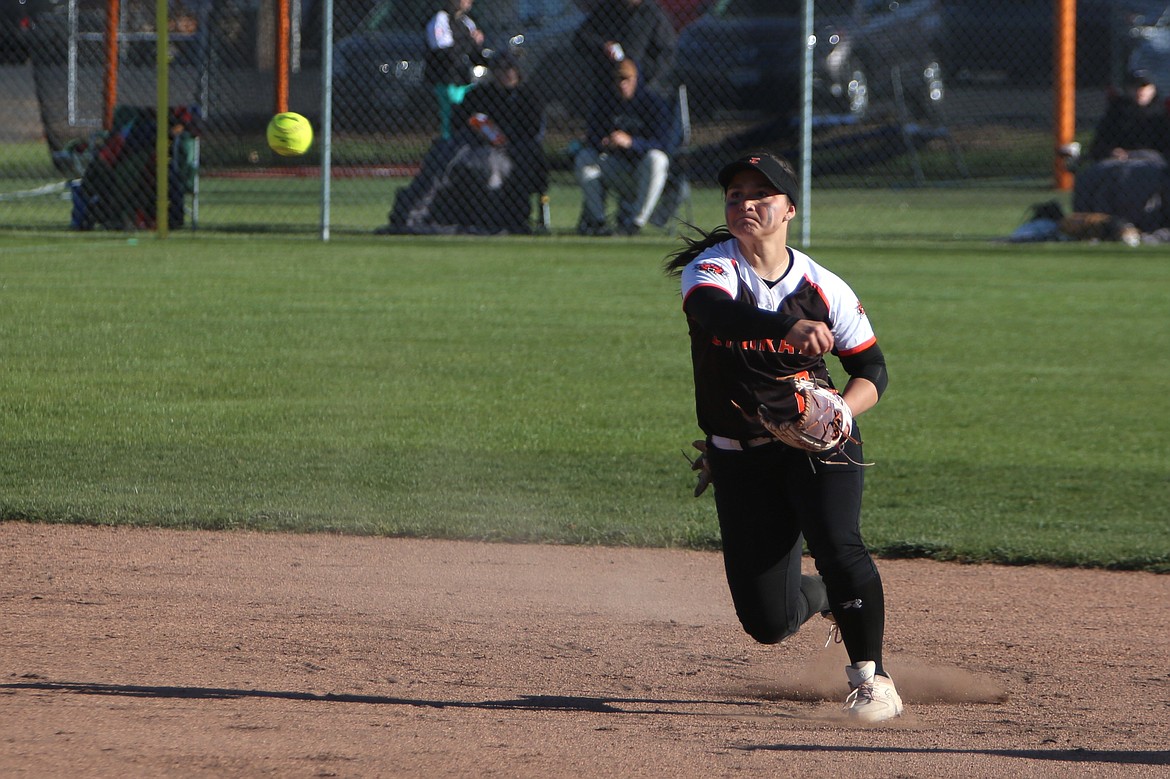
(782, 8)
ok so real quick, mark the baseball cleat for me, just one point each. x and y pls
(873, 698)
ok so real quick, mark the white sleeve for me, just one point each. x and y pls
(852, 330)
(439, 31)
(716, 272)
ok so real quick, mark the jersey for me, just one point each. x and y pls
(442, 35)
(451, 49)
(750, 373)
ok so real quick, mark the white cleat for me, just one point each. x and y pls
(873, 698)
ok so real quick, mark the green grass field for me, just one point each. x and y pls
(538, 389)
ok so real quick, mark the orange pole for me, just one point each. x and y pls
(1065, 71)
(283, 35)
(113, 17)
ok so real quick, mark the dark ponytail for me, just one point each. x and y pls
(676, 261)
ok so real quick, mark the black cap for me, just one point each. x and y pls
(778, 175)
(1138, 77)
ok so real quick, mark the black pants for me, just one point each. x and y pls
(771, 498)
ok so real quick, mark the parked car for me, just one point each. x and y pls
(1151, 51)
(746, 55)
(1012, 41)
(380, 70)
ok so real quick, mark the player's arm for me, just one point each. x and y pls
(717, 313)
(867, 379)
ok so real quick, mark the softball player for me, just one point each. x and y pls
(760, 312)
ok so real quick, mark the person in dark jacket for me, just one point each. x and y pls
(506, 113)
(1136, 118)
(628, 145)
(626, 29)
(1125, 172)
(481, 179)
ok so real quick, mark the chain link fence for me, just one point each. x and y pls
(903, 93)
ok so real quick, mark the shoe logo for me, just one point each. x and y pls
(851, 604)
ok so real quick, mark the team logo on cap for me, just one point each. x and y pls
(753, 160)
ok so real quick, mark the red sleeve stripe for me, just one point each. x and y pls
(820, 293)
(698, 286)
(861, 348)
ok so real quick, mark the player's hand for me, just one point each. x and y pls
(810, 337)
(701, 465)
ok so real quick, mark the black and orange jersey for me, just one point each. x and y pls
(752, 369)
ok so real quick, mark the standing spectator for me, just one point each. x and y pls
(454, 47)
(635, 29)
(628, 143)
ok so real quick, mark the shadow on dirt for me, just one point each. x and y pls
(523, 703)
(1123, 757)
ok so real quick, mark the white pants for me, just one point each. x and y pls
(638, 184)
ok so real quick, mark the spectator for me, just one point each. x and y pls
(454, 47)
(636, 29)
(628, 143)
(1127, 175)
(1135, 119)
(507, 100)
(482, 179)
(507, 114)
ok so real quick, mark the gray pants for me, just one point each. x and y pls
(638, 184)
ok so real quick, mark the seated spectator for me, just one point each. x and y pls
(628, 145)
(1136, 118)
(1126, 174)
(482, 179)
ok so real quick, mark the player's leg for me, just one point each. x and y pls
(761, 543)
(830, 505)
(832, 527)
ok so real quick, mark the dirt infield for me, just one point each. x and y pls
(161, 653)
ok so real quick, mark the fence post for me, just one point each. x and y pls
(1064, 69)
